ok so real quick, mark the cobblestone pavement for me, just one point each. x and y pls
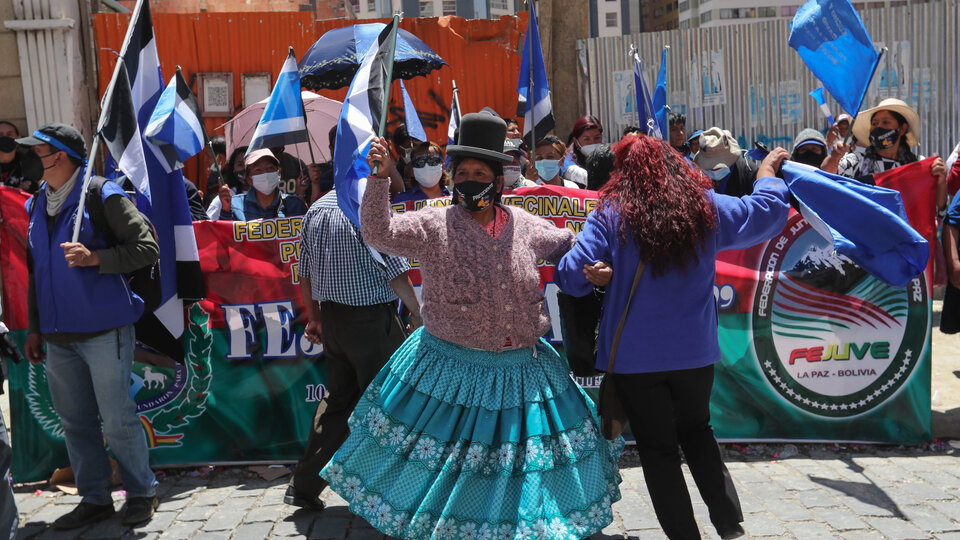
(787, 491)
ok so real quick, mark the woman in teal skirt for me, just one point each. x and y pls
(474, 429)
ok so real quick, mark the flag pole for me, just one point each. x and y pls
(303, 107)
(389, 82)
(530, 95)
(456, 101)
(104, 106)
(206, 138)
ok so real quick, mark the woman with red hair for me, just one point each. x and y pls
(656, 210)
(585, 138)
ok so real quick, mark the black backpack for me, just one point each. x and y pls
(145, 281)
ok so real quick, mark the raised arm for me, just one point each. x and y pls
(403, 234)
(746, 221)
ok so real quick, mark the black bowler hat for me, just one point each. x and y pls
(60, 136)
(481, 136)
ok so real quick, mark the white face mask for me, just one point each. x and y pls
(588, 149)
(267, 182)
(428, 175)
(511, 176)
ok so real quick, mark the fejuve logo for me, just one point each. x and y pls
(166, 398)
(830, 338)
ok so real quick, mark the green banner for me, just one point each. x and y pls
(813, 347)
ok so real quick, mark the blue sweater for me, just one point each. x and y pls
(672, 323)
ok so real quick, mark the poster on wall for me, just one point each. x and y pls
(625, 99)
(713, 77)
(789, 101)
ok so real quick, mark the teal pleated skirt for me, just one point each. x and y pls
(451, 442)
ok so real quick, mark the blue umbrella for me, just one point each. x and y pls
(334, 59)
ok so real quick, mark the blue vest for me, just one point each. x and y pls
(78, 299)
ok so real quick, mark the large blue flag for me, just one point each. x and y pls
(867, 224)
(175, 126)
(659, 100)
(646, 113)
(832, 41)
(537, 109)
(359, 123)
(161, 194)
(410, 117)
(282, 121)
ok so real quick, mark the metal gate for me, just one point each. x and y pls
(747, 79)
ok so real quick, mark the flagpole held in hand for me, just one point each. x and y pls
(531, 100)
(456, 100)
(386, 90)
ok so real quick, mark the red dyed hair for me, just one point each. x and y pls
(661, 200)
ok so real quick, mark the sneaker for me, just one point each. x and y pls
(139, 509)
(295, 498)
(84, 514)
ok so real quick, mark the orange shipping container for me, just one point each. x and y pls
(483, 57)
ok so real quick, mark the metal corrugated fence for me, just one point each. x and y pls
(747, 79)
(482, 55)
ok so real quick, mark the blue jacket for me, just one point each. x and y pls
(672, 323)
(244, 208)
(78, 299)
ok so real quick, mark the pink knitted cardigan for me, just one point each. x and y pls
(477, 290)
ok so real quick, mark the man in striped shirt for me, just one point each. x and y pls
(351, 300)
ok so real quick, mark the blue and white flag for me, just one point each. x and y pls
(161, 195)
(410, 117)
(539, 109)
(646, 113)
(831, 39)
(454, 123)
(821, 100)
(359, 123)
(175, 126)
(868, 224)
(659, 100)
(282, 121)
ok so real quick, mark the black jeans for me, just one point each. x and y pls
(669, 411)
(357, 342)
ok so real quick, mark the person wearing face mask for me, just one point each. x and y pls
(427, 160)
(235, 176)
(809, 148)
(470, 422)
(80, 305)
(18, 168)
(403, 144)
(585, 137)
(893, 128)
(549, 153)
(514, 173)
(722, 161)
(264, 200)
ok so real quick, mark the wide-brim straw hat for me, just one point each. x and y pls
(861, 125)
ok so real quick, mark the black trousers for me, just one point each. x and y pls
(669, 411)
(357, 342)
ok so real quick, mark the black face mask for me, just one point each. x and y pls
(883, 138)
(475, 196)
(7, 144)
(808, 158)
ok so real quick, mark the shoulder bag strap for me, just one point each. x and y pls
(623, 318)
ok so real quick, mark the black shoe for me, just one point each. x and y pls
(139, 509)
(733, 532)
(295, 498)
(84, 514)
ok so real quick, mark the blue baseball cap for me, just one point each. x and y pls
(60, 136)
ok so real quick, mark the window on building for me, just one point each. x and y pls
(499, 4)
(788, 11)
(449, 7)
(372, 6)
(658, 12)
(694, 4)
(766, 12)
(611, 20)
(426, 8)
(684, 6)
(706, 16)
(685, 24)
